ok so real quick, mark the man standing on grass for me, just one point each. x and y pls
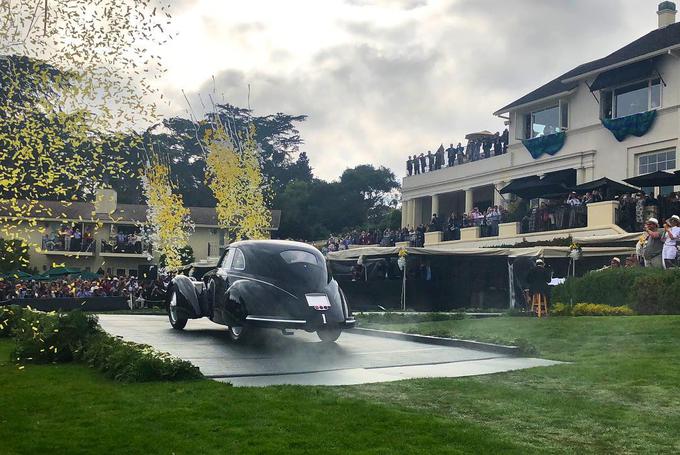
(653, 244)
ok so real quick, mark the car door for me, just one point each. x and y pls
(234, 266)
(219, 285)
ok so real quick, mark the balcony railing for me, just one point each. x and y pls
(66, 243)
(127, 246)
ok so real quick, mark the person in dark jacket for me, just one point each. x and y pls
(422, 162)
(430, 161)
(538, 278)
(409, 166)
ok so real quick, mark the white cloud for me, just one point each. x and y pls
(381, 79)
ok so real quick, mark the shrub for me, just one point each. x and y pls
(646, 291)
(64, 337)
(9, 315)
(560, 309)
(131, 362)
(590, 309)
(52, 337)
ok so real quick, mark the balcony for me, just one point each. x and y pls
(130, 247)
(67, 245)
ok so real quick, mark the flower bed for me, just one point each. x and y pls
(76, 336)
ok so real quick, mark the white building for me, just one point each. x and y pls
(630, 89)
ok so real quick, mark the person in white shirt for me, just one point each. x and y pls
(670, 248)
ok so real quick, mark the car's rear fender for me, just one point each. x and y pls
(186, 287)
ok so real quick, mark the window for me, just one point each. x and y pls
(547, 121)
(299, 256)
(239, 262)
(656, 161)
(631, 99)
(228, 258)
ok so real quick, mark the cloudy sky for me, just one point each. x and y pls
(381, 79)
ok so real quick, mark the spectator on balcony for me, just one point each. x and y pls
(422, 159)
(573, 199)
(493, 219)
(497, 145)
(451, 155)
(486, 147)
(460, 154)
(434, 224)
(409, 166)
(66, 233)
(505, 140)
(77, 241)
(430, 161)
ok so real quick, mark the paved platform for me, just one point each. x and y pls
(275, 358)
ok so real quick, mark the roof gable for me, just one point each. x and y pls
(654, 42)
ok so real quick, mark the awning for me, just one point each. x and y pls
(607, 186)
(608, 239)
(543, 251)
(629, 73)
(658, 178)
(520, 184)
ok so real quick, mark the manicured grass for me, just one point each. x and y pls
(619, 394)
(69, 408)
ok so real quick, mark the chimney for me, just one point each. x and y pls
(105, 201)
(666, 14)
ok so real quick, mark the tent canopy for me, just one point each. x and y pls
(543, 251)
(608, 239)
(658, 178)
(606, 185)
(61, 271)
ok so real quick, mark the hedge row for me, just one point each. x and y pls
(75, 336)
(590, 309)
(646, 291)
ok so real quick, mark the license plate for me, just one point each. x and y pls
(318, 301)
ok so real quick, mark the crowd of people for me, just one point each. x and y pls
(79, 238)
(105, 286)
(658, 246)
(555, 214)
(69, 238)
(635, 209)
(386, 237)
(476, 149)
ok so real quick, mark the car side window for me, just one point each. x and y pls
(239, 262)
(227, 260)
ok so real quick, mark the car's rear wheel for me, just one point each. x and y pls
(237, 333)
(329, 335)
(177, 320)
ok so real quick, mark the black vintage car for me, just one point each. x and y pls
(264, 284)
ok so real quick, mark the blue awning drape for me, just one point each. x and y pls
(550, 144)
(636, 124)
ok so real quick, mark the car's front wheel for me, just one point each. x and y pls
(177, 319)
(329, 335)
(237, 333)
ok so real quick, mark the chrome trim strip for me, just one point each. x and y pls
(264, 319)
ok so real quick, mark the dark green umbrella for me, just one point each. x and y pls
(18, 275)
(608, 187)
(62, 271)
(658, 178)
(85, 275)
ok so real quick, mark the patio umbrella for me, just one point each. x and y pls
(19, 275)
(85, 275)
(480, 135)
(607, 186)
(61, 271)
(41, 277)
(658, 178)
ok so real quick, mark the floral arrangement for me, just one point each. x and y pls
(575, 250)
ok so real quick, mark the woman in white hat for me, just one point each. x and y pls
(671, 234)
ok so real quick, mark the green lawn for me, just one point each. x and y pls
(620, 394)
